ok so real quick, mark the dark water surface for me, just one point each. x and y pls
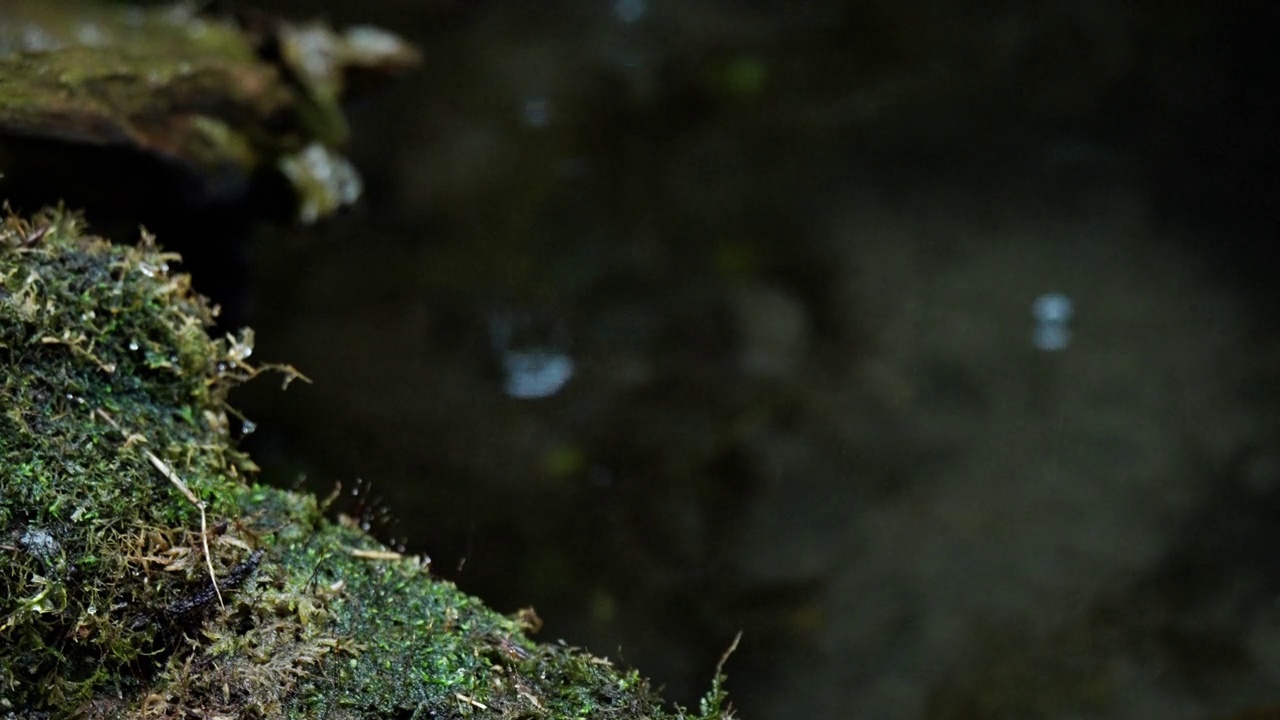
(678, 319)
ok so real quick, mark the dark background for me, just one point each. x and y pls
(792, 249)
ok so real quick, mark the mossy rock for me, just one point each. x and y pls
(122, 495)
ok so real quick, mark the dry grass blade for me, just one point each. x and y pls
(177, 482)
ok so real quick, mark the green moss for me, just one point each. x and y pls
(157, 80)
(212, 99)
(112, 402)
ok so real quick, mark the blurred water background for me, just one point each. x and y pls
(930, 344)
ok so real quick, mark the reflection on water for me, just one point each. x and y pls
(532, 367)
(1052, 313)
(629, 11)
(787, 386)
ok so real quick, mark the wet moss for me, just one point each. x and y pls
(145, 574)
(202, 102)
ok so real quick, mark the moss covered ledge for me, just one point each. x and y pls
(122, 496)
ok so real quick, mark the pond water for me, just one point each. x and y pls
(933, 349)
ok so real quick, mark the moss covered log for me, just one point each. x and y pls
(143, 573)
(193, 104)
